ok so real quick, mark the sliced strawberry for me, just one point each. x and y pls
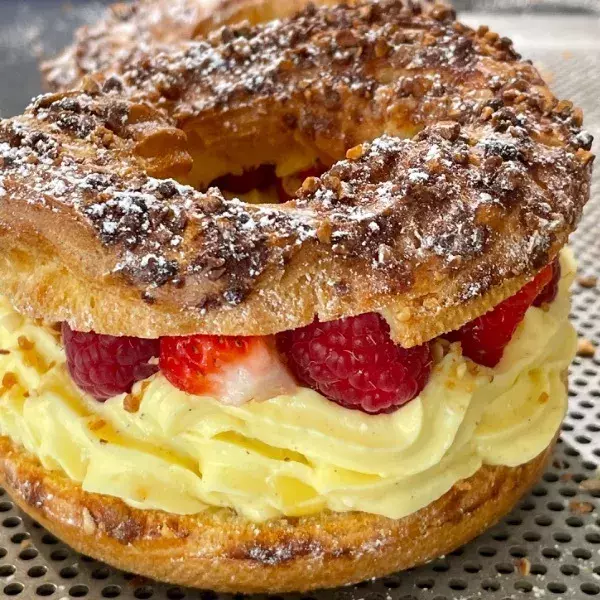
(232, 369)
(548, 294)
(483, 340)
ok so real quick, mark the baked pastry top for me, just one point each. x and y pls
(455, 175)
(152, 24)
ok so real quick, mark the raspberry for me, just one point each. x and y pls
(354, 362)
(483, 340)
(548, 294)
(105, 366)
(232, 369)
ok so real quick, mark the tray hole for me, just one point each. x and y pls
(504, 568)
(592, 538)
(143, 593)
(14, 589)
(532, 536)
(489, 585)
(500, 536)
(591, 589)
(551, 553)
(5, 506)
(441, 567)
(555, 506)
(518, 552)
(60, 554)
(563, 537)
(582, 554)
(574, 522)
(391, 582)
(457, 584)
(471, 567)
(539, 491)
(425, 584)
(543, 521)
(567, 492)
(569, 570)
(37, 571)
(175, 594)
(111, 591)
(100, 573)
(20, 537)
(7, 570)
(69, 572)
(487, 551)
(12, 522)
(537, 569)
(46, 589)
(49, 539)
(28, 554)
(523, 586)
(79, 591)
(557, 588)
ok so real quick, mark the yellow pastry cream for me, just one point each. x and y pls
(160, 448)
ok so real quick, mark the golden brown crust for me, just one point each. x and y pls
(439, 227)
(221, 551)
(127, 27)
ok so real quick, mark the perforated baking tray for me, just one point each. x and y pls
(549, 547)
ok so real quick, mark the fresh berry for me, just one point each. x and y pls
(106, 366)
(354, 362)
(289, 185)
(548, 294)
(483, 340)
(232, 369)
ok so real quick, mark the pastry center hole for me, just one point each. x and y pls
(265, 184)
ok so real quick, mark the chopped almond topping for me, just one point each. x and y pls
(355, 152)
(543, 398)
(89, 524)
(25, 343)
(587, 281)
(9, 380)
(585, 348)
(590, 485)
(524, 566)
(4, 352)
(581, 508)
(95, 425)
(131, 403)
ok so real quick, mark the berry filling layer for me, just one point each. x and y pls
(263, 425)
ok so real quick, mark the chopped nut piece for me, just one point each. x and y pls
(581, 508)
(4, 352)
(543, 398)
(25, 343)
(355, 152)
(523, 566)
(89, 525)
(131, 403)
(587, 281)
(9, 380)
(585, 348)
(590, 485)
(310, 184)
(95, 425)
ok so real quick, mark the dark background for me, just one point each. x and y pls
(31, 29)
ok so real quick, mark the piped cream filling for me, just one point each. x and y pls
(295, 454)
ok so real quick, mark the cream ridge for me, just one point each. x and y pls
(160, 448)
